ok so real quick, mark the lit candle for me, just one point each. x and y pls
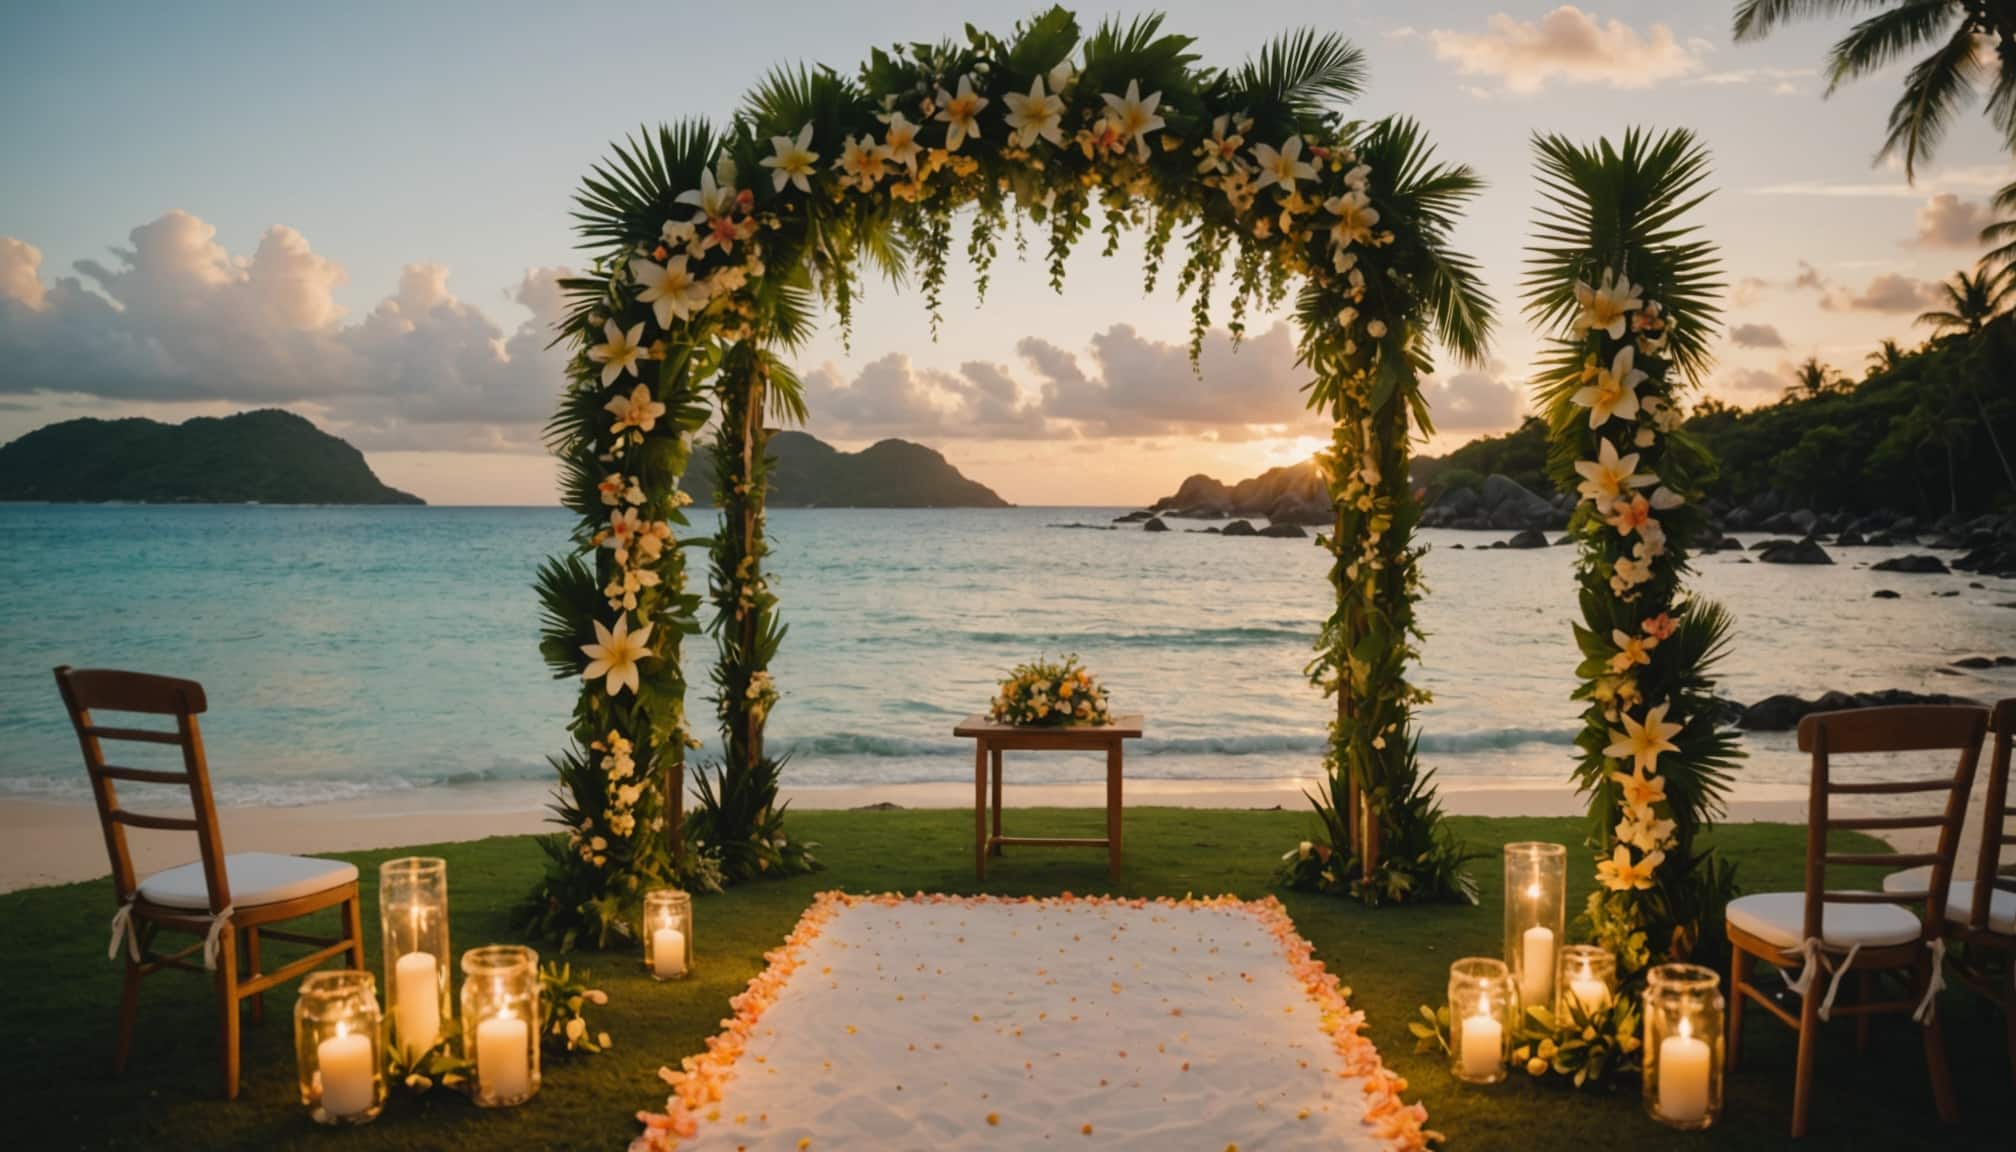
(1683, 1076)
(344, 1061)
(1536, 972)
(668, 953)
(1482, 1044)
(503, 1070)
(1592, 994)
(417, 1009)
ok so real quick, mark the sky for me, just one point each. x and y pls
(357, 212)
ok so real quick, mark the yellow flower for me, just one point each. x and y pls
(1610, 393)
(961, 113)
(793, 161)
(1630, 650)
(1642, 743)
(614, 655)
(1609, 476)
(1619, 874)
(1605, 306)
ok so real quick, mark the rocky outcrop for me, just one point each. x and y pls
(1240, 528)
(1783, 712)
(1134, 517)
(1295, 494)
(1915, 563)
(1284, 531)
(1794, 552)
(1530, 538)
(1154, 524)
(1500, 503)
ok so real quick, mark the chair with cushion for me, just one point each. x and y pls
(1825, 933)
(222, 900)
(1981, 913)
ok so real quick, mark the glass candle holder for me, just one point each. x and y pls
(668, 933)
(339, 1047)
(1586, 981)
(1683, 1045)
(413, 920)
(1536, 910)
(1483, 1010)
(500, 1023)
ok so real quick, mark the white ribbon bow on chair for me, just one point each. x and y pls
(123, 929)
(1816, 958)
(1928, 1008)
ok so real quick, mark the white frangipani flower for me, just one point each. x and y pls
(639, 410)
(669, 288)
(1355, 220)
(1609, 476)
(1035, 116)
(900, 141)
(1283, 167)
(716, 194)
(1606, 307)
(793, 162)
(620, 352)
(1133, 118)
(614, 655)
(1610, 393)
(961, 113)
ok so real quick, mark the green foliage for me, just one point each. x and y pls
(1630, 289)
(738, 824)
(265, 456)
(564, 999)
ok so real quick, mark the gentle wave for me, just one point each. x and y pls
(843, 745)
(1165, 638)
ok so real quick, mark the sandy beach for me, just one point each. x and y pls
(58, 843)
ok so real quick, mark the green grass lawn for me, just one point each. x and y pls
(64, 996)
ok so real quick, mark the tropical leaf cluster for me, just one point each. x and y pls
(1630, 288)
(712, 250)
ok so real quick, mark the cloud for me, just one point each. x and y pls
(1890, 292)
(1782, 81)
(891, 396)
(1141, 387)
(1971, 178)
(1947, 221)
(1759, 380)
(1474, 402)
(1569, 46)
(1756, 336)
(175, 317)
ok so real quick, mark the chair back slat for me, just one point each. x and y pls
(1910, 728)
(84, 689)
(1990, 873)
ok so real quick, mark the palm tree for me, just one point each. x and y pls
(1888, 357)
(1971, 300)
(1937, 85)
(1813, 378)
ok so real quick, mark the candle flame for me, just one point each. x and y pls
(1686, 1028)
(1533, 891)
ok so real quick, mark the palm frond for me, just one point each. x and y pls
(1301, 75)
(1755, 18)
(626, 199)
(1431, 196)
(1933, 90)
(1878, 41)
(1625, 208)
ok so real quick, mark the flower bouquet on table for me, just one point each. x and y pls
(1049, 694)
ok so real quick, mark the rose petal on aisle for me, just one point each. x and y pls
(1085, 1022)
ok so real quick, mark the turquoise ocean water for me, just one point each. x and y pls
(348, 651)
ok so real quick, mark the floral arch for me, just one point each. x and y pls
(712, 254)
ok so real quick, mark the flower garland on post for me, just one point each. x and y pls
(1265, 182)
(1633, 294)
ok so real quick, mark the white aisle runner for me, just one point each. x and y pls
(942, 1023)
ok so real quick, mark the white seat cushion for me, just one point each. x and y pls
(1779, 919)
(1959, 898)
(254, 877)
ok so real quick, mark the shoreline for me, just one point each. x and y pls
(58, 842)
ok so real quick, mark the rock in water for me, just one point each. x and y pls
(1240, 528)
(1284, 531)
(1530, 538)
(1883, 594)
(1783, 712)
(1916, 563)
(1134, 517)
(1795, 552)
(1154, 524)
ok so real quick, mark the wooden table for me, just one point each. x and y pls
(991, 739)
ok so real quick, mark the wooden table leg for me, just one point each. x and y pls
(980, 809)
(997, 799)
(1113, 810)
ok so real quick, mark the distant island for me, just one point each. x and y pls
(810, 473)
(264, 457)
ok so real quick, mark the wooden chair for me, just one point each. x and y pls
(1869, 932)
(1981, 913)
(220, 899)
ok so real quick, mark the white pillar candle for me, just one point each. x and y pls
(1536, 972)
(1683, 1077)
(344, 1061)
(668, 952)
(1481, 1045)
(503, 1068)
(1590, 993)
(417, 1003)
